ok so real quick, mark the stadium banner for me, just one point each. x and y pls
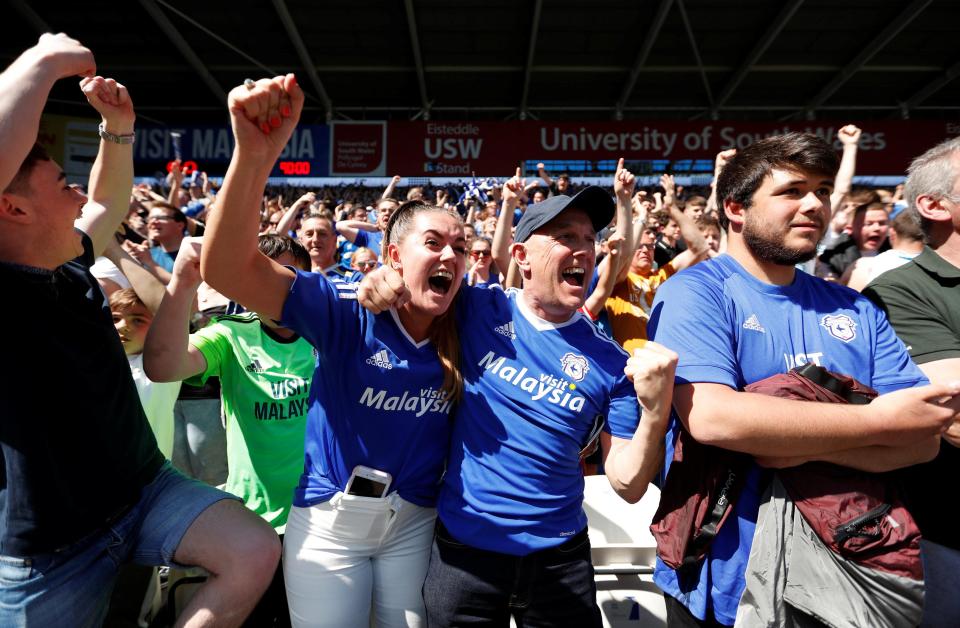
(209, 148)
(457, 148)
(358, 148)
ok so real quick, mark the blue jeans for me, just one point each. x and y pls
(71, 586)
(470, 586)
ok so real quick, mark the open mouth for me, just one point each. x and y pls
(573, 275)
(441, 281)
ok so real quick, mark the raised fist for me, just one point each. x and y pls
(849, 135)
(264, 114)
(111, 101)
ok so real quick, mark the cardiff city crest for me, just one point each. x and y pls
(840, 326)
(574, 366)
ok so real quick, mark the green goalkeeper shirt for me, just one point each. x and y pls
(265, 384)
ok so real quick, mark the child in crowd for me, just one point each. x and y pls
(710, 229)
(132, 320)
(265, 372)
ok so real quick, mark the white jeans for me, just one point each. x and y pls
(340, 567)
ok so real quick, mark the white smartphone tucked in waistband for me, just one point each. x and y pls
(367, 482)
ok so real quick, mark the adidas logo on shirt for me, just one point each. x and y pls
(381, 359)
(753, 324)
(506, 330)
(254, 367)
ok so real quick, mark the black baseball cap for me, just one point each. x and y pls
(594, 200)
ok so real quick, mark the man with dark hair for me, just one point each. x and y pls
(83, 486)
(922, 300)
(166, 227)
(560, 185)
(669, 242)
(20, 182)
(757, 316)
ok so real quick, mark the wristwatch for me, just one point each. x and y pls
(116, 139)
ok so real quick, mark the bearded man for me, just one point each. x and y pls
(749, 314)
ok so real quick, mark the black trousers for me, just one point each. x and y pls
(466, 586)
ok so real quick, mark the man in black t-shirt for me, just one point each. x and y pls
(83, 487)
(555, 187)
(922, 300)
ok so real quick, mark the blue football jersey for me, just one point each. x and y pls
(337, 272)
(730, 328)
(373, 240)
(375, 399)
(532, 391)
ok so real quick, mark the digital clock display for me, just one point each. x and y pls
(294, 168)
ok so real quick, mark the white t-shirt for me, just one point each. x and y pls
(157, 399)
(105, 269)
(888, 260)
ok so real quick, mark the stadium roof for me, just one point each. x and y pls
(498, 59)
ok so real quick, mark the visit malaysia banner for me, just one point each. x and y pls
(209, 148)
(496, 148)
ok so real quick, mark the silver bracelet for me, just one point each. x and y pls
(116, 139)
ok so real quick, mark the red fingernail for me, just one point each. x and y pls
(265, 127)
(285, 111)
(275, 121)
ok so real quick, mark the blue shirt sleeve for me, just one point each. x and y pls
(161, 258)
(689, 317)
(375, 241)
(320, 310)
(594, 279)
(624, 414)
